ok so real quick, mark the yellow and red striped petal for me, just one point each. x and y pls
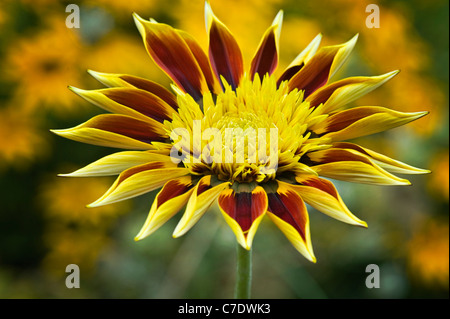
(204, 194)
(362, 121)
(125, 80)
(266, 57)
(171, 53)
(129, 101)
(338, 94)
(172, 197)
(323, 196)
(301, 59)
(243, 210)
(203, 62)
(288, 211)
(321, 67)
(385, 162)
(139, 180)
(224, 52)
(114, 130)
(351, 166)
(116, 163)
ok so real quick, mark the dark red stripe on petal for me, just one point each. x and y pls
(203, 186)
(126, 126)
(172, 54)
(289, 73)
(289, 207)
(174, 188)
(346, 118)
(202, 60)
(244, 207)
(333, 155)
(152, 87)
(136, 169)
(266, 58)
(142, 101)
(322, 184)
(315, 73)
(225, 54)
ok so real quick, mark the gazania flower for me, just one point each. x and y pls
(211, 137)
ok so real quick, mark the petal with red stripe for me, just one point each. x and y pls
(116, 163)
(300, 61)
(321, 67)
(243, 210)
(172, 197)
(389, 164)
(323, 196)
(129, 101)
(266, 57)
(125, 80)
(338, 94)
(203, 62)
(139, 180)
(118, 131)
(171, 53)
(288, 211)
(205, 193)
(362, 121)
(351, 166)
(224, 52)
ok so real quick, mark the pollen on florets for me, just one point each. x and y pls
(249, 134)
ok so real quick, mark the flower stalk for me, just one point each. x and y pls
(243, 273)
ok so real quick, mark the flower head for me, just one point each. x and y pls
(257, 143)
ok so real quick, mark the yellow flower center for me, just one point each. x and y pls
(254, 133)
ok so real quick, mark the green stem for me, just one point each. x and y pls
(243, 273)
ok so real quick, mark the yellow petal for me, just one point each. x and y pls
(125, 80)
(171, 53)
(293, 236)
(298, 63)
(362, 121)
(243, 212)
(133, 102)
(114, 130)
(172, 197)
(385, 162)
(224, 52)
(321, 67)
(288, 211)
(116, 163)
(308, 52)
(340, 93)
(323, 196)
(202, 197)
(266, 56)
(139, 180)
(352, 166)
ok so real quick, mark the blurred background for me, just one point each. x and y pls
(44, 225)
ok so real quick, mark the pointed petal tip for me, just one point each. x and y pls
(97, 203)
(278, 18)
(139, 24)
(209, 15)
(76, 90)
(95, 74)
(363, 224)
